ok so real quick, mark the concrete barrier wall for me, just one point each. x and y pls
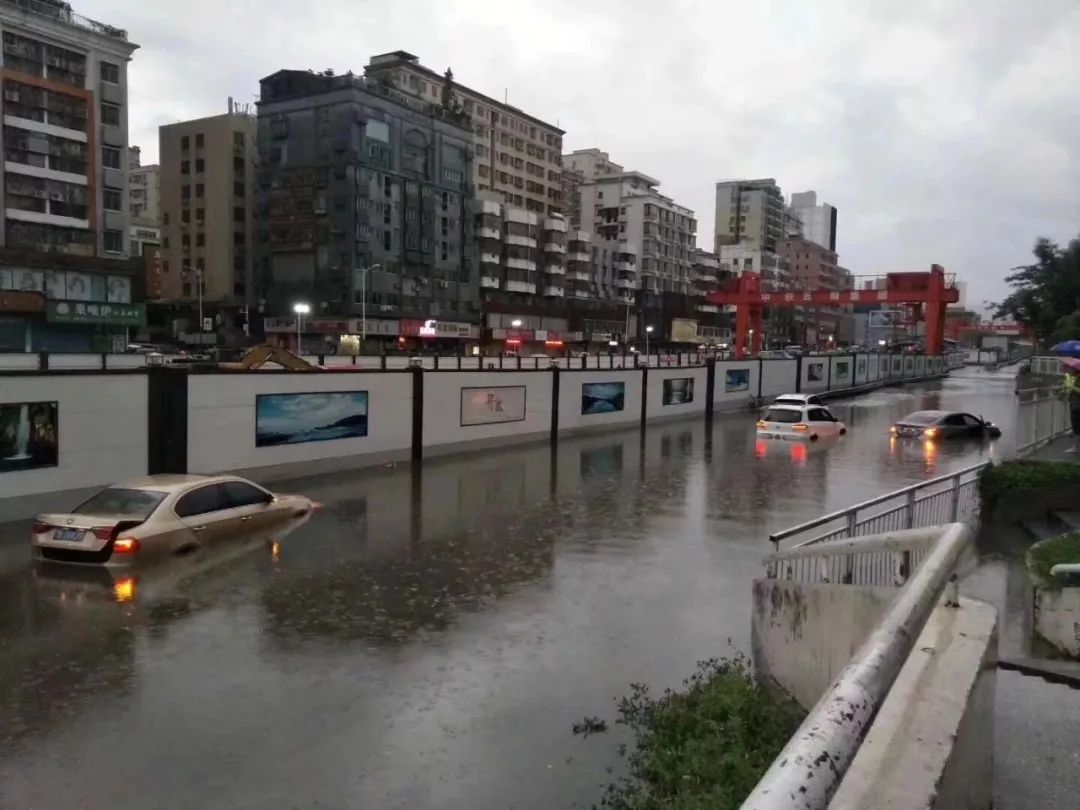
(803, 634)
(222, 408)
(736, 382)
(931, 744)
(778, 377)
(100, 432)
(457, 403)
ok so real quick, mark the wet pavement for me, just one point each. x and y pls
(427, 642)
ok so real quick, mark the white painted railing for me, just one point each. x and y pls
(1042, 416)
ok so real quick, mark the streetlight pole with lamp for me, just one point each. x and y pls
(648, 331)
(363, 300)
(301, 309)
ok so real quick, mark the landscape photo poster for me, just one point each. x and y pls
(860, 367)
(678, 390)
(815, 372)
(737, 379)
(843, 369)
(489, 406)
(604, 397)
(29, 435)
(311, 417)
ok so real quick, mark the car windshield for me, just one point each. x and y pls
(128, 503)
(922, 418)
(783, 415)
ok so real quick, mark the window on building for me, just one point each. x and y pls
(185, 167)
(185, 240)
(110, 157)
(165, 218)
(112, 199)
(165, 242)
(200, 165)
(185, 142)
(200, 190)
(200, 239)
(238, 139)
(185, 191)
(113, 241)
(388, 188)
(185, 216)
(200, 140)
(239, 190)
(238, 162)
(110, 73)
(110, 115)
(200, 215)
(239, 214)
(386, 239)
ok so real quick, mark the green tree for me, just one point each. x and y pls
(1046, 293)
(448, 102)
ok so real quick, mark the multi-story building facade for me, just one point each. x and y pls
(814, 267)
(749, 213)
(64, 184)
(144, 203)
(207, 169)
(364, 205)
(818, 222)
(516, 155)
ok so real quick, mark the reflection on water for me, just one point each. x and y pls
(426, 640)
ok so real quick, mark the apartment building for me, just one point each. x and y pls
(811, 266)
(363, 205)
(207, 170)
(64, 233)
(144, 203)
(516, 155)
(818, 222)
(749, 213)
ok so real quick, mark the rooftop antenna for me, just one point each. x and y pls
(506, 95)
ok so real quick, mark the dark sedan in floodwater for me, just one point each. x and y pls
(936, 425)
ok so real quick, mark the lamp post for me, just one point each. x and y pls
(750, 348)
(648, 331)
(516, 323)
(363, 300)
(301, 310)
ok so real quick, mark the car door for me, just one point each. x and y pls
(253, 507)
(975, 426)
(208, 513)
(821, 422)
(954, 425)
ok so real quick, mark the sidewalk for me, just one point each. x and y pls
(1056, 450)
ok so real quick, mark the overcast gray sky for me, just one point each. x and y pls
(943, 130)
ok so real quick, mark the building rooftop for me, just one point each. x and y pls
(61, 12)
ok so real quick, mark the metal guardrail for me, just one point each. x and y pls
(1043, 416)
(951, 498)
(812, 765)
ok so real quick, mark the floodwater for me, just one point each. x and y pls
(427, 642)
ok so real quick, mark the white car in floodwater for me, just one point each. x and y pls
(799, 423)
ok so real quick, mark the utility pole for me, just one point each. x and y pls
(363, 300)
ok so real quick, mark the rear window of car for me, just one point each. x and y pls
(791, 400)
(783, 415)
(138, 504)
(922, 418)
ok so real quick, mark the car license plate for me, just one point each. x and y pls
(69, 535)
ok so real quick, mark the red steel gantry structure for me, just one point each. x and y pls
(930, 290)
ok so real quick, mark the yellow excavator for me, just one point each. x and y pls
(258, 356)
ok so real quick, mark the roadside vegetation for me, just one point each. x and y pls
(1043, 556)
(1025, 476)
(705, 746)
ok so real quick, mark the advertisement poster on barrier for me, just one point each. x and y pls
(815, 372)
(489, 406)
(684, 330)
(860, 367)
(843, 370)
(28, 435)
(678, 390)
(897, 365)
(315, 417)
(909, 365)
(602, 397)
(737, 379)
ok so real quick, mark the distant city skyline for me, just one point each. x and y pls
(962, 156)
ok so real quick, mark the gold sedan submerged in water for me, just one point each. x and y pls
(160, 516)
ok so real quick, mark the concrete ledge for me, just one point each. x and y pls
(930, 745)
(26, 507)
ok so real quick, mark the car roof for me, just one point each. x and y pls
(169, 483)
(787, 406)
(928, 414)
(800, 397)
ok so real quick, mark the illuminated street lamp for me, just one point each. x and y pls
(301, 309)
(648, 331)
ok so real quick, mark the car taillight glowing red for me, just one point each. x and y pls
(103, 532)
(40, 527)
(126, 545)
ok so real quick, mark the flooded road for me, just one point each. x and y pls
(428, 643)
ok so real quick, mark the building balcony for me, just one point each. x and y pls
(554, 247)
(488, 207)
(627, 250)
(489, 233)
(708, 278)
(519, 215)
(554, 292)
(624, 284)
(490, 258)
(520, 287)
(520, 264)
(556, 224)
(489, 282)
(579, 293)
(577, 275)
(520, 241)
(626, 267)
(555, 270)
(713, 308)
(578, 256)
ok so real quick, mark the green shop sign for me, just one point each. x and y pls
(104, 314)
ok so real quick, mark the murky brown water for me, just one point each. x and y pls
(428, 643)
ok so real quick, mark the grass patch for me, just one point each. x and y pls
(703, 747)
(1025, 476)
(1043, 556)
